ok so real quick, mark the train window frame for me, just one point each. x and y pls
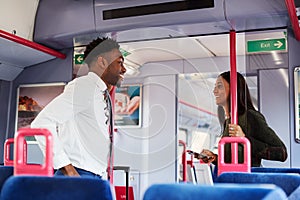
(34, 91)
(297, 102)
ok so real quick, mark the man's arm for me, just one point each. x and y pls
(69, 170)
(58, 111)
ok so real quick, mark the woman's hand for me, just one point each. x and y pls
(206, 156)
(235, 131)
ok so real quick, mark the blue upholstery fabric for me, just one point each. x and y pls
(275, 170)
(215, 173)
(218, 191)
(5, 173)
(288, 182)
(295, 195)
(52, 188)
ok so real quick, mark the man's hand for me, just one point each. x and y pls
(69, 170)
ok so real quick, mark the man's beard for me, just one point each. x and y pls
(119, 83)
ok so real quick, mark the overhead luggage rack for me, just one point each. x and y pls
(20, 53)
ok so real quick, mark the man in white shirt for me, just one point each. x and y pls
(78, 118)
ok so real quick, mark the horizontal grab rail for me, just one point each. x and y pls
(31, 44)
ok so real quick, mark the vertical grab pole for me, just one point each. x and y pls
(233, 91)
(184, 161)
(290, 4)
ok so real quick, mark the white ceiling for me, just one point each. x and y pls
(157, 50)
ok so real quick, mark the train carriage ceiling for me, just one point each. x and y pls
(165, 36)
(57, 26)
(185, 48)
(74, 23)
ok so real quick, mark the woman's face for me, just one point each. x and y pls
(221, 91)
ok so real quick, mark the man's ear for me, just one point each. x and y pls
(101, 62)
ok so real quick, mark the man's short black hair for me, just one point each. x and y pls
(98, 47)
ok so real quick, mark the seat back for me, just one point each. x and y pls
(288, 182)
(219, 191)
(295, 195)
(275, 170)
(55, 188)
(5, 173)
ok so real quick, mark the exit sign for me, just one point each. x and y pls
(266, 45)
(124, 52)
(78, 59)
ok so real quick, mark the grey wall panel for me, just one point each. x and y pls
(5, 88)
(9, 72)
(294, 61)
(274, 104)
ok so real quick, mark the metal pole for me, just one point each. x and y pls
(233, 92)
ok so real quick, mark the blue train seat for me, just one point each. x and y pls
(275, 170)
(218, 191)
(5, 173)
(295, 195)
(288, 182)
(55, 188)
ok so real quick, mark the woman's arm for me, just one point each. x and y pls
(265, 142)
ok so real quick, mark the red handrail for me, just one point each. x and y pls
(233, 78)
(233, 88)
(234, 166)
(290, 4)
(20, 165)
(7, 160)
(184, 161)
(197, 108)
(31, 44)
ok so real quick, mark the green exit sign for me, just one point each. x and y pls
(79, 59)
(124, 52)
(266, 45)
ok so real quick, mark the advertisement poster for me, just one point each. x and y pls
(32, 98)
(128, 106)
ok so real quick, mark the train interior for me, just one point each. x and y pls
(173, 57)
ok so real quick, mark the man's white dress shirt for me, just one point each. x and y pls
(76, 119)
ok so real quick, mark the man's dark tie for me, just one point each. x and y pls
(111, 135)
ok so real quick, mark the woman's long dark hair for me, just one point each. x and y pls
(244, 100)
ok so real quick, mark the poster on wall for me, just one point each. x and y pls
(128, 106)
(32, 98)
